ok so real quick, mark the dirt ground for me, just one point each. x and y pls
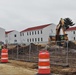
(15, 69)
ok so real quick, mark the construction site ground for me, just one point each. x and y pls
(17, 67)
(14, 67)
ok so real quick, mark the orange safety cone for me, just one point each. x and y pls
(44, 63)
(4, 55)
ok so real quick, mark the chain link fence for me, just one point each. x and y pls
(60, 52)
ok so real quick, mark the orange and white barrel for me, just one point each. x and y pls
(44, 63)
(4, 55)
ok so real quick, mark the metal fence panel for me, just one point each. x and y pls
(59, 55)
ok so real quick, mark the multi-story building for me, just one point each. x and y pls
(12, 37)
(71, 33)
(37, 33)
(2, 35)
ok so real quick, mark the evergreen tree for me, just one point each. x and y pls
(67, 23)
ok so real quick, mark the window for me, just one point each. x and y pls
(27, 33)
(41, 39)
(73, 32)
(15, 35)
(35, 32)
(74, 38)
(38, 32)
(41, 31)
(27, 40)
(38, 39)
(15, 40)
(35, 39)
(32, 39)
(32, 32)
(23, 34)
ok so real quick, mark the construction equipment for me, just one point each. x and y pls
(64, 24)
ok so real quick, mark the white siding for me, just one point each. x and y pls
(71, 35)
(36, 35)
(22, 37)
(13, 37)
(31, 36)
(48, 30)
(2, 35)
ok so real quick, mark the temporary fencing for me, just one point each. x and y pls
(60, 54)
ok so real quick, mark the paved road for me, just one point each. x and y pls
(6, 69)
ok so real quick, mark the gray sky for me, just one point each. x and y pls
(21, 14)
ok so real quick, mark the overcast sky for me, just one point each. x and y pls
(21, 14)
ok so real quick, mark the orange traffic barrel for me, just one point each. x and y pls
(4, 55)
(44, 63)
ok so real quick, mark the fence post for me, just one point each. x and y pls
(23, 53)
(12, 54)
(56, 49)
(36, 46)
(29, 51)
(67, 54)
(17, 52)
